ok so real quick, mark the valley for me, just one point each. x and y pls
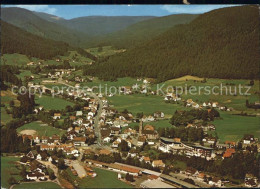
(130, 101)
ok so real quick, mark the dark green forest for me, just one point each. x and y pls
(221, 44)
(141, 32)
(16, 40)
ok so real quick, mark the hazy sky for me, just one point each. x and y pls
(73, 11)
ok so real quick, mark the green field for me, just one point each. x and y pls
(140, 103)
(104, 179)
(126, 81)
(52, 103)
(106, 51)
(75, 59)
(9, 169)
(44, 130)
(233, 127)
(14, 59)
(38, 185)
(236, 102)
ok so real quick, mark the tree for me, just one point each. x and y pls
(51, 175)
(129, 177)
(12, 181)
(61, 164)
(23, 172)
(11, 103)
(123, 146)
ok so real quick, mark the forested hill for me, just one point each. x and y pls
(16, 40)
(223, 43)
(142, 31)
(36, 25)
(100, 25)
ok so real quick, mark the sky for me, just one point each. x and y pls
(74, 11)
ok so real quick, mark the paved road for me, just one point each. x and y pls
(99, 111)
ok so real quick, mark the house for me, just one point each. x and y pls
(141, 140)
(39, 157)
(251, 183)
(35, 175)
(105, 152)
(216, 182)
(231, 144)
(228, 153)
(158, 114)
(115, 144)
(106, 139)
(115, 130)
(158, 163)
(79, 141)
(189, 102)
(57, 116)
(79, 113)
(190, 171)
(146, 159)
(150, 134)
(248, 139)
(45, 139)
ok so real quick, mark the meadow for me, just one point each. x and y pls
(9, 169)
(38, 185)
(235, 101)
(14, 59)
(233, 127)
(138, 103)
(104, 179)
(48, 102)
(104, 51)
(41, 129)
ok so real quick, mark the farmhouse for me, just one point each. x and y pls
(57, 116)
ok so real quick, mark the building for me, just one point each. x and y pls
(158, 163)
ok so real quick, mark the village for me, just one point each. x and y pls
(100, 136)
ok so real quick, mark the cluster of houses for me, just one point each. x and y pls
(37, 170)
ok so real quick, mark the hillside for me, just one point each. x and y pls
(142, 31)
(223, 43)
(15, 40)
(100, 25)
(34, 24)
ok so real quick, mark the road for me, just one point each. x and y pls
(99, 111)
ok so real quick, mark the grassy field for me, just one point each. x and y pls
(236, 102)
(41, 129)
(140, 103)
(126, 81)
(104, 179)
(232, 127)
(14, 59)
(9, 169)
(38, 185)
(156, 124)
(105, 51)
(52, 103)
(75, 59)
